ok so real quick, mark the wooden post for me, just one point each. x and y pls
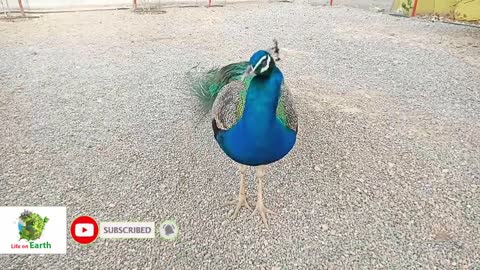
(134, 4)
(20, 5)
(414, 11)
(209, 3)
(331, 2)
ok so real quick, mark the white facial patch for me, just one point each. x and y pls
(267, 65)
(260, 62)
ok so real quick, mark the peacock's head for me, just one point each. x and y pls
(261, 64)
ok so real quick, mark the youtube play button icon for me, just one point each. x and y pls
(84, 230)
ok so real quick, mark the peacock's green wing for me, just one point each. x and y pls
(286, 110)
(206, 86)
(229, 103)
(243, 97)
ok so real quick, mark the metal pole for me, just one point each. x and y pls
(4, 9)
(414, 11)
(20, 5)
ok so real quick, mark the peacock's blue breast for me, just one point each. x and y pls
(253, 146)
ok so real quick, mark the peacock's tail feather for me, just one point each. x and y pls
(206, 86)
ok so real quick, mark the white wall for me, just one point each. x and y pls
(67, 4)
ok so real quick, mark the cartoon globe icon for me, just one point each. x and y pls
(31, 225)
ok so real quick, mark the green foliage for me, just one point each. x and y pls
(33, 225)
(407, 6)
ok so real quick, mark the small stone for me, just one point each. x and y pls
(111, 205)
(317, 168)
(445, 171)
(445, 261)
(390, 164)
(324, 227)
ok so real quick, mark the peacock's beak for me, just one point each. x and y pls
(248, 72)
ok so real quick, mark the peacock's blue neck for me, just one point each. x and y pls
(259, 137)
(262, 99)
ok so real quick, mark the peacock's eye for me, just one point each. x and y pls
(262, 65)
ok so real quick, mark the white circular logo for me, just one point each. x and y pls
(169, 230)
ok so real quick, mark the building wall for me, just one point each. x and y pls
(67, 4)
(468, 10)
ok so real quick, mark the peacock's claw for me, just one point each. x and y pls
(239, 202)
(242, 194)
(263, 211)
(260, 207)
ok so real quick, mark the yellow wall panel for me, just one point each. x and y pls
(458, 9)
(468, 10)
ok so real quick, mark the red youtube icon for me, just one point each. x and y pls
(84, 230)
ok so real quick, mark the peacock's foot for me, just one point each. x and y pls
(242, 194)
(263, 211)
(239, 202)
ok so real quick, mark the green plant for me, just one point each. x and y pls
(407, 6)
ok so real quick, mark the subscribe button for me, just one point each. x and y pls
(127, 229)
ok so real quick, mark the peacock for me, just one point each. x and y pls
(254, 120)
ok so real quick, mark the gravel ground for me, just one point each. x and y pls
(364, 4)
(385, 174)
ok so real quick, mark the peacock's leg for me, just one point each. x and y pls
(260, 207)
(242, 194)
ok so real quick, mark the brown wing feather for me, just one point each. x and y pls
(286, 109)
(226, 104)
